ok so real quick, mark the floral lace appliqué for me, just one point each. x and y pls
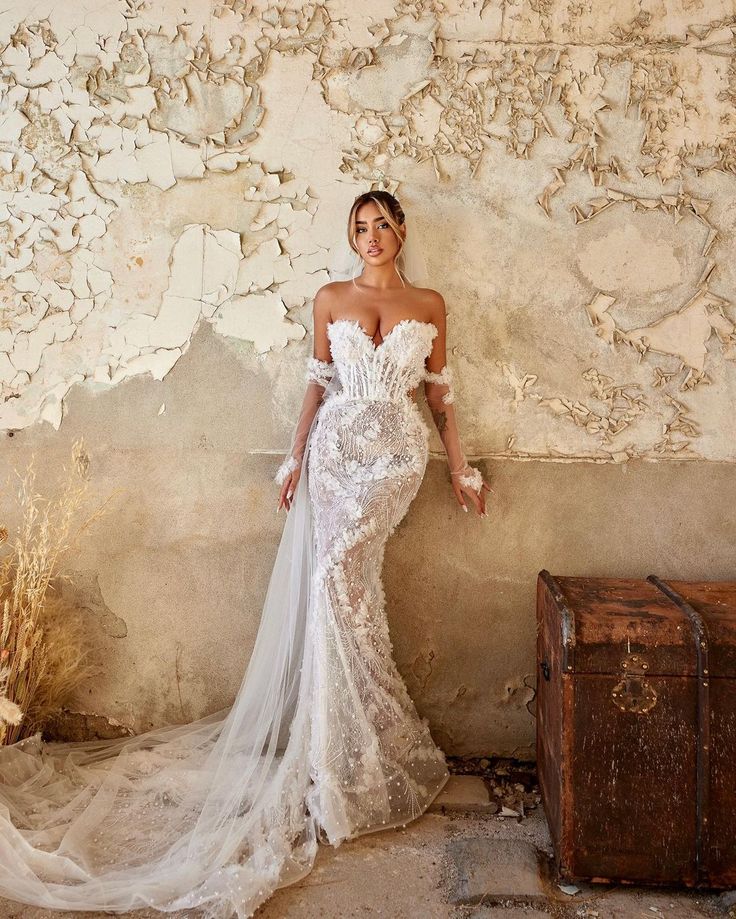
(374, 760)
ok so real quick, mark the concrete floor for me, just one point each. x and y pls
(457, 861)
(457, 864)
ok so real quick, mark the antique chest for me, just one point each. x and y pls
(636, 728)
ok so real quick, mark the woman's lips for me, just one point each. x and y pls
(374, 251)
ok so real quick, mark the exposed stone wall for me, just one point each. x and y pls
(172, 176)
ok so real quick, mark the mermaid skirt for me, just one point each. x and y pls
(374, 763)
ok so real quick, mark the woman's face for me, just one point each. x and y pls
(376, 241)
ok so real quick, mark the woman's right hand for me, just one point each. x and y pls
(287, 490)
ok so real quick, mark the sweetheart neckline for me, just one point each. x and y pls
(388, 334)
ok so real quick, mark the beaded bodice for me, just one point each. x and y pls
(389, 370)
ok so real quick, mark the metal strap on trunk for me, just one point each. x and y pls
(700, 635)
(567, 621)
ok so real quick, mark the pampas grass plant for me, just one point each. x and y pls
(43, 651)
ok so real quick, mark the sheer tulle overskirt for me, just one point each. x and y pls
(210, 814)
(322, 737)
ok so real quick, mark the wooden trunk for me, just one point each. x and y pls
(636, 728)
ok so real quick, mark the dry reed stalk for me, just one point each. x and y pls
(41, 638)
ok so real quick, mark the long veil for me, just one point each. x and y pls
(212, 814)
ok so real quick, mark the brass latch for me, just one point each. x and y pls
(634, 693)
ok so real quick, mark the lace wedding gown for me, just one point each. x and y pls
(322, 743)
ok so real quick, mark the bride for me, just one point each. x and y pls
(322, 742)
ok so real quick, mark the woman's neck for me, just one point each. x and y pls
(380, 277)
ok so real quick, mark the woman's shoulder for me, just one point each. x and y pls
(430, 303)
(327, 299)
(334, 285)
(327, 292)
(429, 295)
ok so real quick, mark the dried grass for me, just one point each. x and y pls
(43, 649)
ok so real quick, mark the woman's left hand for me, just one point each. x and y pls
(478, 498)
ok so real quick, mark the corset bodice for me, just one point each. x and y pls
(389, 370)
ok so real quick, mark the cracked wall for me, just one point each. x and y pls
(178, 171)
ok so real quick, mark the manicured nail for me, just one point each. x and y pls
(465, 509)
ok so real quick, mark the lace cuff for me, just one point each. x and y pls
(319, 371)
(470, 477)
(288, 466)
(444, 378)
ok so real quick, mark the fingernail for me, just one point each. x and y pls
(465, 509)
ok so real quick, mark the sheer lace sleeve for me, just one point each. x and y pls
(318, 375)
(440, 394)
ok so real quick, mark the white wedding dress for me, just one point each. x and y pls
(322, 743)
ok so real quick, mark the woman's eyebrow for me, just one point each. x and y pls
(375, 218)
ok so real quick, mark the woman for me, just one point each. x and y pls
(368, 453)
(322, 740)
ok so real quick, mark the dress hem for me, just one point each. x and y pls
(391, 826)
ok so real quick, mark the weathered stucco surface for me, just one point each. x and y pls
(172, 176)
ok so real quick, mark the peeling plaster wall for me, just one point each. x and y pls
(172, 176)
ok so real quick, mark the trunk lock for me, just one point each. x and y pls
(634, 693)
